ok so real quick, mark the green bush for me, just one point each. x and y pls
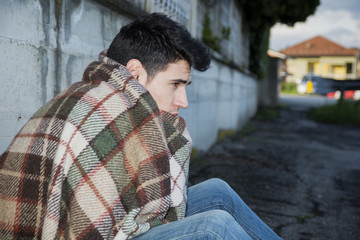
(343, 112)
(225, 133)
(267, 114)
(288, 88)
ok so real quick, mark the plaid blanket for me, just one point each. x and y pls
(99, 161)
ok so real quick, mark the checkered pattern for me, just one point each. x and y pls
(100, 161)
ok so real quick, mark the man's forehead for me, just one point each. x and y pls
(180, 67)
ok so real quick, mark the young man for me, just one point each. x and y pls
(108, 158)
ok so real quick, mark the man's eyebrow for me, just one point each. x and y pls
(181, 81)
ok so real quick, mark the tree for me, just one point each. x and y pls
(261, 15)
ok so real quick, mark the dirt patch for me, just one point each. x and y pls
(301, 177)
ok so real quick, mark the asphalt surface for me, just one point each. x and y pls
(300, 177)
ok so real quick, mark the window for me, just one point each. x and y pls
(349, 67)
(310, 67)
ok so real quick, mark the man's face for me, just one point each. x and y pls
(168, 87)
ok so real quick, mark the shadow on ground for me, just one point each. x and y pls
(301, 177)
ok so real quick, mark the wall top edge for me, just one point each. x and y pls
(124, 7)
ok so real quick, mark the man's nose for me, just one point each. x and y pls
(181, 99)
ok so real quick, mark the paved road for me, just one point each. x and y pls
(301, 177)
(305, 101)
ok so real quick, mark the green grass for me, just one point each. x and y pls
(301, 218)
(282, 106)
(289, 88)
(267, 114)
(194, 153)
(343, 112)
(246, 130)
(225, 133)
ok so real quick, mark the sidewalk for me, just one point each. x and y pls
(301, 177)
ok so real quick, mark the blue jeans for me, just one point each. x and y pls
(214, 211)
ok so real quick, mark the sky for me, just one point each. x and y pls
(339, 21)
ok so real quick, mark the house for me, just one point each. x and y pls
(322, 57)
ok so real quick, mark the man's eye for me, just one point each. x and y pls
(175, 84)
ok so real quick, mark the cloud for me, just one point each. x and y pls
(336, 31)
(352, 6)
(340, 24)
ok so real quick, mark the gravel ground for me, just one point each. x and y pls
(301, 177)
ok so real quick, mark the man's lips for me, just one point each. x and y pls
(172, 113)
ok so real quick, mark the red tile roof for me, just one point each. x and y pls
(318, 46)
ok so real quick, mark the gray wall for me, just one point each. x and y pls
(45, 46)
(220, 98)
(268, 88)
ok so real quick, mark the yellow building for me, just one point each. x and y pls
(322, 57)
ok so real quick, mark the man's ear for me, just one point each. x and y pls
(136, 68)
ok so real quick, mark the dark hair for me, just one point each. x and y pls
(156, 41)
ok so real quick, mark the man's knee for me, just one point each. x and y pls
(218, 183)
(219, 218)
(220, 215)
(213, 194)
(221, 225)
(214, 189)
(219, 187)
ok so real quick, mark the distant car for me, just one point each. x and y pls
(301, 87)
(314, 84)
(349, 94)
(306, 85)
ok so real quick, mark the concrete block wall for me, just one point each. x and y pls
(45, 46)
(220, 98)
